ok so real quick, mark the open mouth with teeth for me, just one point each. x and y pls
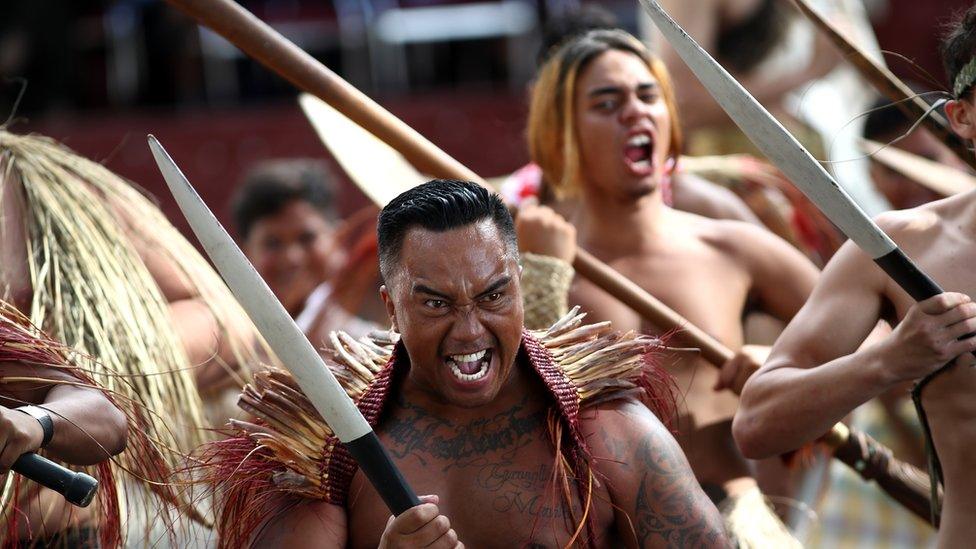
(472, 367)
(638, 154)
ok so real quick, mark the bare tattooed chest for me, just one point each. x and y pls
(493, 476)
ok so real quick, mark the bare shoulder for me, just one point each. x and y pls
(649, 479)
(697, 195)
(928, 220)
(738, 239)
(304, 524)
(614, 431)
(620, 416)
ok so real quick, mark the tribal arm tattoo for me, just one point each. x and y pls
(650, 480)
(670, 508)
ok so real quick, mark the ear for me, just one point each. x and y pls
(962, 117)
(390, 310)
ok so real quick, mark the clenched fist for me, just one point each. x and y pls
(19, 434)
(542, 231)
(420, 526)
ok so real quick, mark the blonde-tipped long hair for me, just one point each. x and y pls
(553, 143)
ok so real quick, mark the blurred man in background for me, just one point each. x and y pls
(286, 219)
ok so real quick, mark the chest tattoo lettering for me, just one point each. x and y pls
(414, 431)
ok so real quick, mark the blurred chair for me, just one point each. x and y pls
(393, 26)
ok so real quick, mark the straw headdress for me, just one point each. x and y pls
(93, 292)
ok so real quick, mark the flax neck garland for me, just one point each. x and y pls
(290, 450)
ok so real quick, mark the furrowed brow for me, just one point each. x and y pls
(421, 289)
(495, 286)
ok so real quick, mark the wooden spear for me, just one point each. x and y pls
(888, 84)
(940, 178)
(806, 173)
(277, 53)
(262, 43)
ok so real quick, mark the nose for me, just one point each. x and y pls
(294, 254)
(633, 109)
(467, 327)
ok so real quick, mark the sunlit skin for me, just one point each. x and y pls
(816, 372)
(483, 448)
(294, 251)
(709, 271)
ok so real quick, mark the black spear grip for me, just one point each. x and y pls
(906, 274)
(77, 488)
(376, 464)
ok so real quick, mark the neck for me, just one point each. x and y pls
(615, 225)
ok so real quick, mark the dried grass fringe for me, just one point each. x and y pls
(22, 342)
(92, 292)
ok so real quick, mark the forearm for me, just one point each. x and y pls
(88, 428)
(784, 406)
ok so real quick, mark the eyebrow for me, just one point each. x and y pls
(495, 286)
(422, 289)
(603, 90)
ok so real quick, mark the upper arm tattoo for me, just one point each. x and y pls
(671, 510)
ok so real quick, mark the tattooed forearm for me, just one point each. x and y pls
(416, 432)
(671, 509)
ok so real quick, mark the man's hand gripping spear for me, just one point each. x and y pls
(804, 171)
(274, 51)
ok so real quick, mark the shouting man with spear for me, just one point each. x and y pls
(527, 438)
(603, 126)
(816, 373)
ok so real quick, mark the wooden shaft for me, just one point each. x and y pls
(888, 84)
(935, 176)
(271, 49)
(268, 47)
(904, 482)
(277, 53)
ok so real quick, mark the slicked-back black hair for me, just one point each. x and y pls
(959, 46)
(439, 205)
(271, 185)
